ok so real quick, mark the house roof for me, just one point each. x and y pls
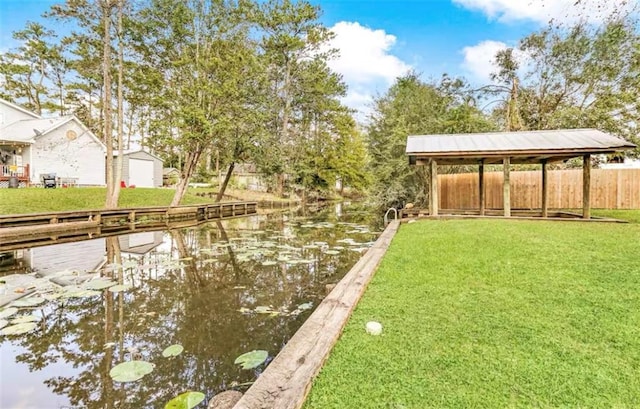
(521, 147)
(27, 130)
(131, 151)
(19, 108)
(167, 171)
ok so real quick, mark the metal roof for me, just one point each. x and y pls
(522, 147)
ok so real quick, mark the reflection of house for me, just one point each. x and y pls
(81, 256)
(140, 243)
(31, 146)
(170, 176)
(140, 168)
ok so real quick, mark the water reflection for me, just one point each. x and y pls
(188, 287)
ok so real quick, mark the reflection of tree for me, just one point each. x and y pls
(180, 298)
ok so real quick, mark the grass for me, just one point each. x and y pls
(34, 200)
(495, 314)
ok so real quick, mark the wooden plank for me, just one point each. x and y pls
(586, 186)
(610, 189)
(9, 233)
(287, 380)
(506, 186)
(433, 186)
(481, 196)
(545, 190)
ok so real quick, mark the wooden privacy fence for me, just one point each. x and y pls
(610, 189)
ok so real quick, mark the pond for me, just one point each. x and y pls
(218, 290)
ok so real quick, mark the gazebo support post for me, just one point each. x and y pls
(433, 189)
(481, 186)
(586, 187)
(506, 187)
(545, 190)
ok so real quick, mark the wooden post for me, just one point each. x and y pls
(481, 186)
(506, 187)
(586, 187)
(545, 190)
(433, 208)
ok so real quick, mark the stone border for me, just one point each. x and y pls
(288, 378)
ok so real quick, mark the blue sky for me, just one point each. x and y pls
(382, 39)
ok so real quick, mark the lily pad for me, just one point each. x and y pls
(99, 284)
(187, 400)
(7, 312)
(119, 287)
(28, 302)
(252, 359)
(173, 350)
(18, 329)
(130, 371)
(263, 310)
(25, 318)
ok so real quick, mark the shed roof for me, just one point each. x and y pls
(521, 147)
(139, 150)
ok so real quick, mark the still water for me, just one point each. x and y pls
(219, 290)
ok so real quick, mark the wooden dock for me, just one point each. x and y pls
(16, 231)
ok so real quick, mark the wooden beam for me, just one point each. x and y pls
(545, 190)
(506, 187)
(586, 187)
(433, 189)
(481, 194)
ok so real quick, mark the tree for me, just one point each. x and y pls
(33, 74)
(412, 107)
(292, 42)
(191, 52)
(580, 77)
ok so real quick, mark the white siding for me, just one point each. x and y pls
(81, 256)
(82, 158)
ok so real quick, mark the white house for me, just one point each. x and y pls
(31, 146)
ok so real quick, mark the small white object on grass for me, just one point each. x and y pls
(374, 328)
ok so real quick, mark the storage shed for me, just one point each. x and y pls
(140, 168)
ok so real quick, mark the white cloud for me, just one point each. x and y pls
(542, 11)
(479, 59)
(365, 62)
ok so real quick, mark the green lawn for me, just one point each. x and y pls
(35, 200)
(495, 314)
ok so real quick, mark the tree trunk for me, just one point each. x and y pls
(280, 184)
(227, 177)
(190, 162)
(106, 72)
(118, 171)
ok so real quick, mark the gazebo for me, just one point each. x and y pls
(506, 148)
